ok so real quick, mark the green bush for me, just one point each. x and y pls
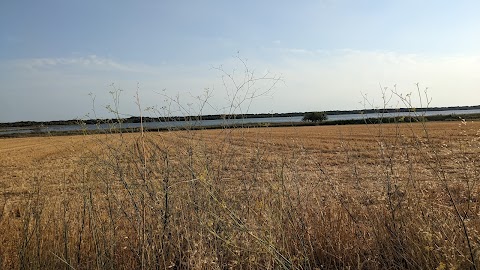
(314, 117)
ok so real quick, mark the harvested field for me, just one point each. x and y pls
(390, 196)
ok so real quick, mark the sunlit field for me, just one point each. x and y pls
(389, 196)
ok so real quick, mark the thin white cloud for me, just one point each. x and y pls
(295, 51)
(58, 88)
(92, 62)
(335, 79)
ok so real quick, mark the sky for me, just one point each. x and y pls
(86, 59)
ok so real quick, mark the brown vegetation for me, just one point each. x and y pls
(391, 196)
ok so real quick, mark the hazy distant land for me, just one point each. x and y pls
(136, 119)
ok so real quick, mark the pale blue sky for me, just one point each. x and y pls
(54, 53)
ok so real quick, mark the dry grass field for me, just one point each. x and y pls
(390, 196)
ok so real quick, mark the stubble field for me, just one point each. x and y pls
(390, 196)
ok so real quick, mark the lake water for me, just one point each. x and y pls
(221, 122)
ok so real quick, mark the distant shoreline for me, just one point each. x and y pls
(368, 121)
(136, 119)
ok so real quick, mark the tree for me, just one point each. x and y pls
(314, 117)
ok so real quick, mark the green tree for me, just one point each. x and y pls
(314, 117)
